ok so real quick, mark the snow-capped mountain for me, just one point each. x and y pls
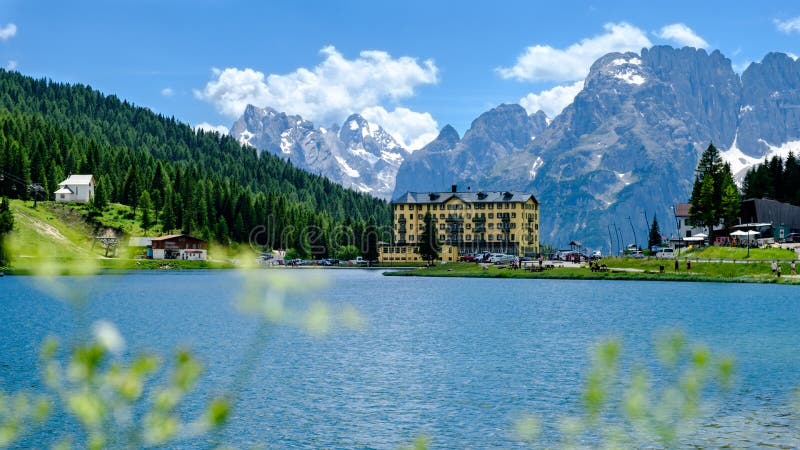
(358, 155)
(628, 145)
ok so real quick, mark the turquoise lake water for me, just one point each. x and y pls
(454, 359)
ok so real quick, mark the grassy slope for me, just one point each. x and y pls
(756, 254)
(46, 227)
(61, 232)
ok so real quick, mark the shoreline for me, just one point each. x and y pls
(464, 270)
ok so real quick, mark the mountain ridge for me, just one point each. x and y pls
(626, 148)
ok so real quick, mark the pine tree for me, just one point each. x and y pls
(715, 197)
(168, 218)
(100, 199)
(429, 240)
(371, 242)
(729, 207)
(654, 238)
(146, 205)
(6, 225)
(130, 188)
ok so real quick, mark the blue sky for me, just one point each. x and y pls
(412, 66)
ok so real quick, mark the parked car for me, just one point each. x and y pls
(792, 238)
(469, 257)
(665, 253)
(503, 259)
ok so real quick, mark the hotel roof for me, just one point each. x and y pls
(468, 197)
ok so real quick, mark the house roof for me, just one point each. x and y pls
(64, 190)
(469, 197)
(174, 236)
(140, 241)
(82, 180)
(682, 209)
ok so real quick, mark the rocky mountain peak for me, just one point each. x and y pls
(359, 155)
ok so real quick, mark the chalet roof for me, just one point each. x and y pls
(468, 197)
(140, 241)
(81, 180)
(174, 236)
(682, 209)
(64, 190)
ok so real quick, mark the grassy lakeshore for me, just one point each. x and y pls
(621, 269)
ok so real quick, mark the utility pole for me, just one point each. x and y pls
(635, 241)
(610, 241)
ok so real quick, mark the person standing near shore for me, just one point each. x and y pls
(792, 268)
(774, 267)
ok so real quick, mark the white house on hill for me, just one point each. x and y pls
(76, 188)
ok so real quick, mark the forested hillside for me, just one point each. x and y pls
(194, 181)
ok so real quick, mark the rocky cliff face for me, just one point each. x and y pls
(492, 138)
(359, 155)
(628, 145)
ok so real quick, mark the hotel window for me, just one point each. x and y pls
(441, 226)
(401, 207)
(468, 237)
(441, 216)
(512, 237)
(513, 215)
(491, 215)
(411, 216)
(491, 205)
(491, 226)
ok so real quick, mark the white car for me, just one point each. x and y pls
(665, 253)
(503, 259)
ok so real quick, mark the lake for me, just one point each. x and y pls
(458, 360)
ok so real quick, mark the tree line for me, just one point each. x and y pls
(186, 180)
(775, 178)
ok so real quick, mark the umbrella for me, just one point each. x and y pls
(752, 233)
(739, 233)
(700, 235)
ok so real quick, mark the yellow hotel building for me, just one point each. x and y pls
(466, 222)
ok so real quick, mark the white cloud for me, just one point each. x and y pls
(167, 92)
(788, 26)
(792, 55)
(12, 65)
(205, 126)
(545, 63)
(681, 35)
(7, 32)
(551, 101)
(324, 94)
(413, 130)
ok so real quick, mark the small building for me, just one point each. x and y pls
(784, 218)
(141, 246)
(686, 229)
(178, 246)
(76, 188)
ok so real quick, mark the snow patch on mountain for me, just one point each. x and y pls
(630, 76)
(741, 162)
(535, 167)
(349, 171)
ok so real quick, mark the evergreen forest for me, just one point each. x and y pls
(187, 180)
